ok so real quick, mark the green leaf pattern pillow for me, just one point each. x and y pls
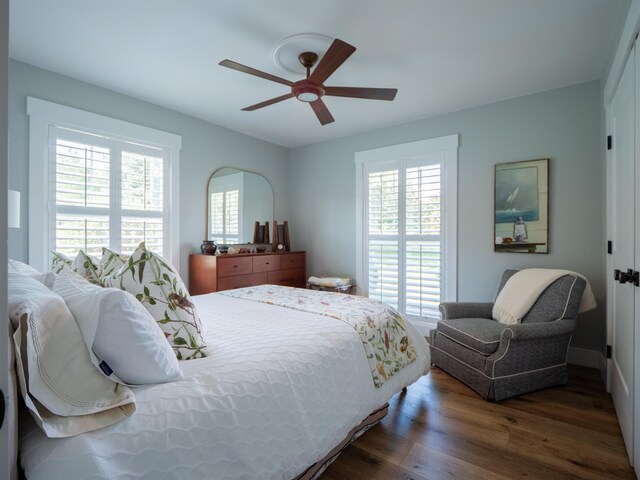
(83, 264)
(60, 261)
(155, 283)
(109, 263)
(86, 266)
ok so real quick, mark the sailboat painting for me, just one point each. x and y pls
(516, 193)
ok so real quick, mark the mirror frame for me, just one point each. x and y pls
(206, 196)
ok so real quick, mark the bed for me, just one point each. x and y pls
(281, 392)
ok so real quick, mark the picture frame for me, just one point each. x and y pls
(521, 206)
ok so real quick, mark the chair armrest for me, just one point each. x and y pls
(525, 331)
(452, 310)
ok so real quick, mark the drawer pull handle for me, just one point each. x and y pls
(267, 263)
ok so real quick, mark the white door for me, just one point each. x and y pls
(622, 211)
(6, 431)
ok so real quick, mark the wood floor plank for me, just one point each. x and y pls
(441, 429)
(433, 464)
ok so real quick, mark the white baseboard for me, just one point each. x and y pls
(585, 357)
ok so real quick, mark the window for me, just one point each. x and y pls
(225, 223)
(103, 182)
(406, 226)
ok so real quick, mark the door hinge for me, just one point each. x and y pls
(1, 408)
(609, 247)
(608, 351)
(609, 142)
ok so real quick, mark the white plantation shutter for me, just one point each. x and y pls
(225, 221)
(142, 198)
(106, 193)
(383, 224)
(96, 181)
(81, 192)
(422, 240)
(402, 227)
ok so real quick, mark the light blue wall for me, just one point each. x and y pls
(205, 147)
(563, 125)
(315, 185)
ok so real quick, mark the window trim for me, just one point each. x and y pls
(447, 145)
(42, 115)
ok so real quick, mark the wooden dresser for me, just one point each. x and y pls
(210, 273)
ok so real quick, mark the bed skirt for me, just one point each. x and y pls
(315, 470)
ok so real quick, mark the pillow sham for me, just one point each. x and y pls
(124, 339)
(83, 264)
(60, 261)
(15, 267)
(109, 262)
(156, 284)
(57, 378)
(86, 266)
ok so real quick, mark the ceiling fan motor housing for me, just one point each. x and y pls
(307, 91)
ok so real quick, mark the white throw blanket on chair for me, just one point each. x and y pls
(523, 289)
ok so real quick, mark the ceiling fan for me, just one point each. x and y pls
(312, 89)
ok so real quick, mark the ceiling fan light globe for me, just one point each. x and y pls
(308, 97)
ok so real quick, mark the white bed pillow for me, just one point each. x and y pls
(56, 374)
(127, 344)
(15, 267)
(156, 284)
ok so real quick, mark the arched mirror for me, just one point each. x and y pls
(236, 199)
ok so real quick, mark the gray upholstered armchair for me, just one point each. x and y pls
(500, 361)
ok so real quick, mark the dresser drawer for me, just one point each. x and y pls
(293, 277)
(233, 265)
(293, 260)
(266, 263)
(240, 281)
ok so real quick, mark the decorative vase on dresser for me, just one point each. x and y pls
(209, 273)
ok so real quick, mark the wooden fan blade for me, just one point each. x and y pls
(338, 52)
(266, 103)
(322, 112)
(252, 71)
(355, 92)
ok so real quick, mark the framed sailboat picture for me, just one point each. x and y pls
(521, 208)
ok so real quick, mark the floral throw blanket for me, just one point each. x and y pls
(381, 327)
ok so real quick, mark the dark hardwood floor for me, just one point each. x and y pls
(440, 429)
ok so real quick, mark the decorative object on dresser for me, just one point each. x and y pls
(261, 232)
(208, 247)
(281, 241)
(208, 273)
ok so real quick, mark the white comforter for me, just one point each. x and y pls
(278, 391)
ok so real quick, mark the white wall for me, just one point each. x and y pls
(205, 147)
(563, 125)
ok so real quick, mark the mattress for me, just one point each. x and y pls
(278, 391)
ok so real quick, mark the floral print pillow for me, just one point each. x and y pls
(86, 266)
(83, 264)
(156, 284)
(110, 262)
(60, 261)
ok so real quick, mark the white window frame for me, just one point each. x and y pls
(394, 155)
(42, 116)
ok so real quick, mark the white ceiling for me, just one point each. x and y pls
(442, 55)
